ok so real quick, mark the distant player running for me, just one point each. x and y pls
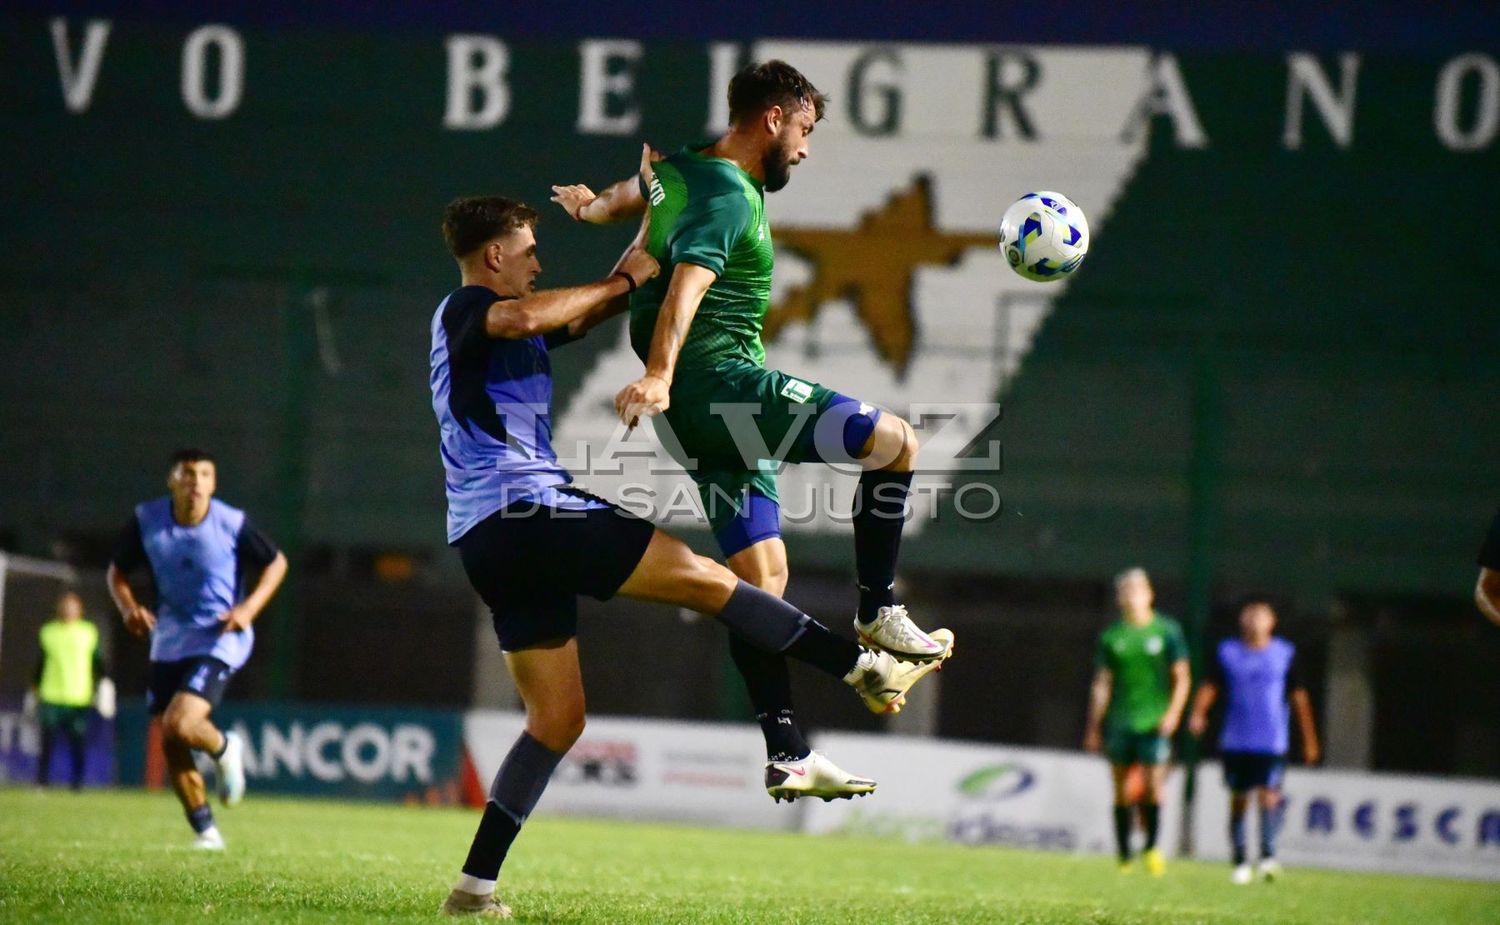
(1257, 674)
(1140, 687)
(698, 327)
(201, 554)
(531, 542)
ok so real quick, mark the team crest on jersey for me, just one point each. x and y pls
(1153, 645)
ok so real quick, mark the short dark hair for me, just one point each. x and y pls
(758, 87)
(191, 455)
(470, 221)
(1258, 599)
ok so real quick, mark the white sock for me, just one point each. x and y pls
(474, 885)
(868, 658)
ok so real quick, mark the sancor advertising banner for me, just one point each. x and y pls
(1387, 822)
(709, 773)
(978, 795)
(378, 753)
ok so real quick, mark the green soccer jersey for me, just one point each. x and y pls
(707, 211)
(1139, 660)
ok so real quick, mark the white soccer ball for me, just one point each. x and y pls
(1044, 236)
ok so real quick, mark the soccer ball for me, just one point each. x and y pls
(1044, 236)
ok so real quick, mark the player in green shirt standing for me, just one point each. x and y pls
(697, 328)
(69, 671)
(1140, 688)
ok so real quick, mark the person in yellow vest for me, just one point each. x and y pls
(68, 671)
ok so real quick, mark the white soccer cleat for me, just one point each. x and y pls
(1268, 870)
(813, 776)
(1242, 875)
(231, 770)
(883, 685)
(484, 906)
(892, 631)
(209, 840)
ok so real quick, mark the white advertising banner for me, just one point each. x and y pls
(707, 773)
(979, 795)
(1362, 821)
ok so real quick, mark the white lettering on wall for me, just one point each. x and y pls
(478, 96)
(78, 79)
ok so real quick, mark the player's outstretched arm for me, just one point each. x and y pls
(618, 202)
(620, 303)
(1202, 703)
(550, 309)
(649, 395)
(239, 617)
(1093, 739)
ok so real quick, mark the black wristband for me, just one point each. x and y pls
(629, 280)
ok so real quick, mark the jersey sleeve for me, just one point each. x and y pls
(561, 337)
(463, 322)
(1102, 660)
(253, 549)
(130, 551)
(708, 228)
(1489, 553)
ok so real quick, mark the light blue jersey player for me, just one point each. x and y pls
(1258, 677)
(201, 555)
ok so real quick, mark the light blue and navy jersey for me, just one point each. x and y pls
(1256, 685)
(199, 572)
(493, 401)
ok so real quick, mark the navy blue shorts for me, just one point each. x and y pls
(203, 675)
(530, 562)
(1247, 770)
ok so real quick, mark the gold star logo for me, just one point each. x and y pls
(874, 266)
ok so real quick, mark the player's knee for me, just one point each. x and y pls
(557, 726)
(175, 726)
(708, 583)
(895, 447)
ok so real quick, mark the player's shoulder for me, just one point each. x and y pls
(467, 298)
(1168, 624)
(153, 512)
(226, 513)
(707, 177)
(1283, 645)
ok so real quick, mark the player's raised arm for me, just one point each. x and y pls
(550, 309)
(648, 395)
(618, 202)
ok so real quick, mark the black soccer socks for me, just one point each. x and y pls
(879, 516)
(518, 786)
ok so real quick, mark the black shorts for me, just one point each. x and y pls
(203, 675)
(1247, 770)
(529, 563)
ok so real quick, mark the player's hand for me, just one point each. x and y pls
(573, 199)
(236, 619)
(1311, 753)
(648, 396)
(140, 621)
(1197, 724)
(1092, 740)
(649, 156)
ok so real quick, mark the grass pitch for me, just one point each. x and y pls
(123, 857)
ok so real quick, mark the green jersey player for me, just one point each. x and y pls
(697, 329)
(1140, 688)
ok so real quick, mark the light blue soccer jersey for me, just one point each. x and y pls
(197, 572)
(1255, 685)
(493, 401)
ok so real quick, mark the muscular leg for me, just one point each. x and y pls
(186, 726)
(1120, 775)
(888, 458)
(550, 683)
(1239, 803)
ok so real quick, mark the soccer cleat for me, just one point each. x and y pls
(892, 631)
(1269, 870)
(884, 684)
(1242, 875)
(1156, 864)
(209, 840)
(1126, 868)
(813, 776)
(484, 906)
(231, 768)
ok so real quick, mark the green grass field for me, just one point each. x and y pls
(123, 857)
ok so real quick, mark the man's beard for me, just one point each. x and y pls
(777, 168)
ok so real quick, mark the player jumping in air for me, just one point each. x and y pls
(1257, 674)
(200, 553)
(531, 542)
(697, 328)
(1140, 687)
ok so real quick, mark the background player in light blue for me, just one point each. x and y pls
(201, 554)
(1258, 676)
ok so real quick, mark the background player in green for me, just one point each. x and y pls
(69, 669)
(697, 329)
(1140, 688)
